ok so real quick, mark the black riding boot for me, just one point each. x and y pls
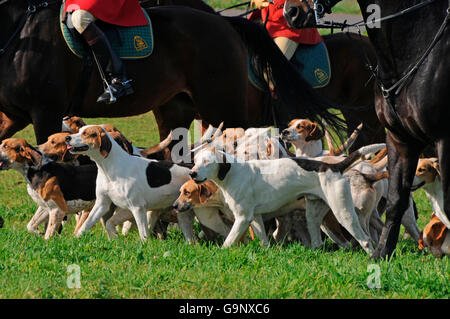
(110, 62)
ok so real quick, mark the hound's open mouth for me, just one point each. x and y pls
(76, 149)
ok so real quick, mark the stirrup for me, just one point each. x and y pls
(114, 90)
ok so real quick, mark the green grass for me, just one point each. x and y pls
(345, 6)
(224, 3)
(126, 268)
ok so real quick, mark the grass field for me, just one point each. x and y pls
(345, 6)
(126, 268)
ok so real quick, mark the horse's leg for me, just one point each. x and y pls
(402, 167)
(45, 122)
(10, 125)
(443, 147)
(178, 112)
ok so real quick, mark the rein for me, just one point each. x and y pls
(32, 9)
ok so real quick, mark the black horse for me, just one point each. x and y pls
(413, 95)
(199, 58)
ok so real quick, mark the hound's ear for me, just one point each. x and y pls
(223, 170)
(105, 144)
(421, 242)
(204, 194)
(436, 167)
(30, 153)
(438, 231)
(122, 141)
(315, 133)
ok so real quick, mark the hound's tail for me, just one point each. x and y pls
(373, 178)
(379, 161)
(353, 157)
(347, 144)
(159, 151)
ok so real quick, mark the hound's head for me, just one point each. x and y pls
(72, 124)
(209, 164)
(433, 237)
(427, 170)
(56, 148)
(301, 131)
(91, 140)
(192, 194)
(18, 154)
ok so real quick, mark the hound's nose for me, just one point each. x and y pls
(68, 138)
(285, 132)
(175, 206)
(193, 174)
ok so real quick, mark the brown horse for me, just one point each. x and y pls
(199, 60)
(350, 84)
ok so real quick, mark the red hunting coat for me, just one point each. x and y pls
(277, 25)
(126, 13)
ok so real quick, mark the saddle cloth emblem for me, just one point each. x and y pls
(321, 75)
(139, 43)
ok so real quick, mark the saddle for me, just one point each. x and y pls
(312, 61)
(129, 42)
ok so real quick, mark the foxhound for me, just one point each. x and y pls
(428, 177)
(306, 137)
(56, 149)
(58, 189)
(130, 182)
(435, 237)
(250, 194)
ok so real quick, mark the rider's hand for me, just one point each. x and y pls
(259, 4)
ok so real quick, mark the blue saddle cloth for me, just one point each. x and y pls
(311, 60)
(133, 43)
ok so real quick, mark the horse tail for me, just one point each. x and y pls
(296, 94)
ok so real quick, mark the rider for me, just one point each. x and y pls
(285, 37)
(125, 13)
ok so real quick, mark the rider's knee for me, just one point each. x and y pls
(81, 19)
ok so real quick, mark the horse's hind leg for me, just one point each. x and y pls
(178, 112)
(45, 122)
(444, 164)
(402, 166)
(10, 125)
